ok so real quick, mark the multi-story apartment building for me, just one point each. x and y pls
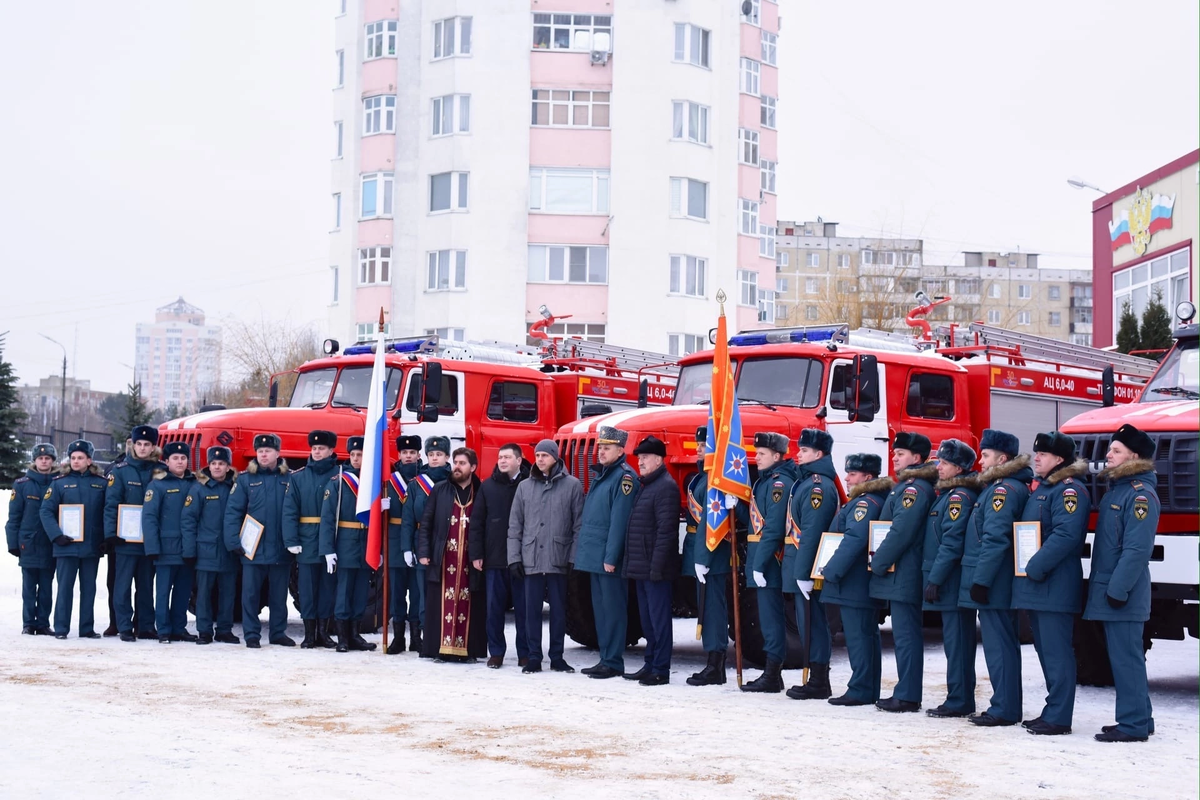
(177, 357)
(608, 159)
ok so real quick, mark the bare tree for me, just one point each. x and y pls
(254, 351)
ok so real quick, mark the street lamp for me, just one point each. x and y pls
(62, 404)
(1080, 183)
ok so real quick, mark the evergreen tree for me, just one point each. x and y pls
(13, 456)
(1128, 338)
(135, 413)
(1155, 333)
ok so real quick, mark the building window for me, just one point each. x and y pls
(381, 39)
(687, 275)
(689, 122)
(993, 316)
(766, 241)
(884, 258)
(337, 210)
(767, 111)
(994, 291)
(1084, 339)
(752, 16)
(967, 285)
(811, 313)
(341, 4)
(447, 335)
(336, 279)
(682, 344)
(781, 285)
(376, 195)
(766, 305)
(379, 114)
(781, 258)
(691, 45)
(1054, 292)
(1024, 291)
(374, 265)
(341, 69)
(748, 146)
(1024, 317)
(767, 175)
(451, 37)
(846, 287)
(588, 332)
(451, 114)
(447, 270)
(689, 198)
(1055, 319)
(748, 286)
(770, 48)
(572, 32)
(747, 217)
(812, 259)
(843, 260)
(567, 108)
(568, 191)
(1167, 277)
(367, 330)
(551, 263)
(337, 139)
(910, 259)
(750, 76)
(812, 285)
(448, 191)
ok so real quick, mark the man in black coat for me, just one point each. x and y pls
(487, 546)
(652, 557)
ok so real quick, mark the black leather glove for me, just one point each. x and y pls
(237, 551)
(979, 593)
(1114, 602)
(932, 592)
(64, 540)
(517, 570)
(15, 551)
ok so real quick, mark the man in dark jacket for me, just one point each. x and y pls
(652, 557)
(1119, 584)
(343, 546)
(896, 565)
(162, 525)
(1051, 588)
(204, 540)
(256, 499)
(487, 546)
(127, 487)
(301, 527)
(847, 580)
(945, 533)
(404, 585)
(811, 508)
(78, 546)
(110, 551)
(437, 452)
(546, 515)
(987, 570)
(712, 569)
(27, 541)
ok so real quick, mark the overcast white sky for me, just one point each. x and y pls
(154, 149)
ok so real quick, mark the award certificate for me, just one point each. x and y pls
(1027, 540)
(251, 535)
(129, 523)
(825, 550)
(879, 531)
(70, 519)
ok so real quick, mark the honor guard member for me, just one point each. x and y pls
(712, 569)
(1119, 584)
(811, 508)
(27, 541)
(1051, 589)
(80, 484)
(343, 547)
(127, 486)
(847, 580)
(257, 495)
(110, 550)
(768, 524)
(600, 547)
(987, 570)
(404, 589)
(301, 529)
(204, 540)
(162, 525)
(945, 536)
(896, 565)
(437, 469)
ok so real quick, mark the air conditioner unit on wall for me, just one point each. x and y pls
(599, 58)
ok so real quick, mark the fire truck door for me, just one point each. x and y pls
(854, 437)
(451, 409)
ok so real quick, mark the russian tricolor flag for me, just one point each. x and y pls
(1162, 210)
(369, 509)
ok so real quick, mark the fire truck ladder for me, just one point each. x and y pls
(1057, 351)
(610, 356)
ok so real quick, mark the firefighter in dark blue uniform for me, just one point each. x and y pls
(343, 546)
(27, 541)
(847, 580)
(204, 540)
(896, 565)
(301, 526)
(404, 583)
(437, 454)
(1051, 590)
(162, 525)
(134, 581)
(712, 569)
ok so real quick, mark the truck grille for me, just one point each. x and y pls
(192, 439)
(578, 454)
(1175, 461)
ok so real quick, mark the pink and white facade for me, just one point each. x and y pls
(611, 159)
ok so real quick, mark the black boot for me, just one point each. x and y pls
(310, 635)
(713, 672)
(323, 638)
(817, 687)
(343, 643)
(396, 645)
(414, 644)
(357, 642)
(771, 681)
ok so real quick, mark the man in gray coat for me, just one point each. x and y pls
(542, 526)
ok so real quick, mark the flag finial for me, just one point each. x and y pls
(721, 299)
(381, 323)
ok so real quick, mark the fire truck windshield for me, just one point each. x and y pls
(352, 389)
(1179, 376)
(784, 381)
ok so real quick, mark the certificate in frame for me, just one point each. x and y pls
(1027, 540)
(250, 536)
(70, 521)
(825, 550)
(879, 531)
(129, 523)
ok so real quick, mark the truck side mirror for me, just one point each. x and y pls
(1108, 387)
(431, 391)
(273, 394)
(643, 393)
(863, 388)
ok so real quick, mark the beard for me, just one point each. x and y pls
(460, 475)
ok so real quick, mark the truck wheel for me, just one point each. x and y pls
(581, 620)
(1091, 654)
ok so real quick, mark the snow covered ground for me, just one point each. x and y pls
(100, 718)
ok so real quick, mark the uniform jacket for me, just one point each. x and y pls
(259, 494)
(24, 529)
(302, 507)
(606, 510)
(434, 531)
(988, 555)
(76, 488)
(127, 484)
(846, 578)
(419, 490)
(907, 506)
(402, 475)
(341, 533)
(1055, 572)
(768, 524)
(544, 522)
(1127, 518)
(811, 509)
(162, 516)
(945, 538)
(203, 523)
(488, 534)
(652, 538)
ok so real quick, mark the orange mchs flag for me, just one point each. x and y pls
(729, 469)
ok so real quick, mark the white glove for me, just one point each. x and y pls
(331, 563)
(731, 501)
(295, 550)
(385, 503)
(806, 587)
(701, 571)
(760, 580)
(408, 558)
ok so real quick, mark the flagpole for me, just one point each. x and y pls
(737, 606)
(385, 515)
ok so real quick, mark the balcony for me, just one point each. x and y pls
(1081, 302)
(1081, 327)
